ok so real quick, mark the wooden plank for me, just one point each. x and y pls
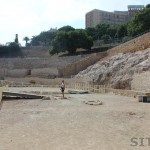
(22, 95)
(0, 97)
(77, 92)
(0, 94)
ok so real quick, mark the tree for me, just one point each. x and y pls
(84, 41)
(101, 30)
(66, 28)
(16, 39)
(59, 43)
(14, 46)
(148, 6)
(35, 41)
(26, 39)
(121, 31)
(92, 32)
(70, 41)
(111, 31)
(10, 50)
(44, 38)
(140, 22)
(105, 37)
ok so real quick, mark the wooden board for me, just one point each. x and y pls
(22, 95)
(77, 92)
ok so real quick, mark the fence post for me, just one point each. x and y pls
(1, 91)
(99, 88)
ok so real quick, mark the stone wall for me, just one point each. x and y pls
(39, 72)
(39, 66)
(141, 82)
(13, 72)
(35, 51)
(38, 62)
(23, 63)
(73, 69)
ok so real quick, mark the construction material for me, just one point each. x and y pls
(22, 95)
(77, 92)
(144, 98)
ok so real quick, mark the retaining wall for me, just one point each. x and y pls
(35, 51)
(41, 72)
(73, 69)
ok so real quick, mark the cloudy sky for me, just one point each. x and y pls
(30, 17)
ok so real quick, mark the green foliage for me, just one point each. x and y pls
(112, 31)
(60, 42)
(70, 41)
(121, 31)
(66, 28)
(148, 6)
(26, 39)
(44, 38)
(11, 50)
(101, 30)
(105, 37)
(140, 23)
(92, 32)
(51, 51)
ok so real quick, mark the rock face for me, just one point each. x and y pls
(118, 70)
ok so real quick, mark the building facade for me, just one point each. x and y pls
(96, 16)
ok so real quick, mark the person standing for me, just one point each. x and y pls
(62, 88)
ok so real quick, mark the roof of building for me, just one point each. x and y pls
(135, 6)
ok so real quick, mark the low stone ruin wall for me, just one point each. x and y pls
(130, 93)
(141, 82)
(39, 72)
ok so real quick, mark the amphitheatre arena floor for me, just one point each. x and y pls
(70, 124)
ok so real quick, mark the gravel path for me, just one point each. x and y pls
(73, 125)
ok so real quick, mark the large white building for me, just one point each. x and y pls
(96, 16)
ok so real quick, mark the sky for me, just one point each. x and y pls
(31, 17)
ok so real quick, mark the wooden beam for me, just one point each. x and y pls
(22, 95)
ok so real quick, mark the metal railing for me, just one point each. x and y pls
(75, 86)
(116, 41)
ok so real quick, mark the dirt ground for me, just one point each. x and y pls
(71, 124)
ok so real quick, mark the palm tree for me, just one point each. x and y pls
(26, 39)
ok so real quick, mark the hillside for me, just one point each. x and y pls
(118, 70)
(115, 67)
